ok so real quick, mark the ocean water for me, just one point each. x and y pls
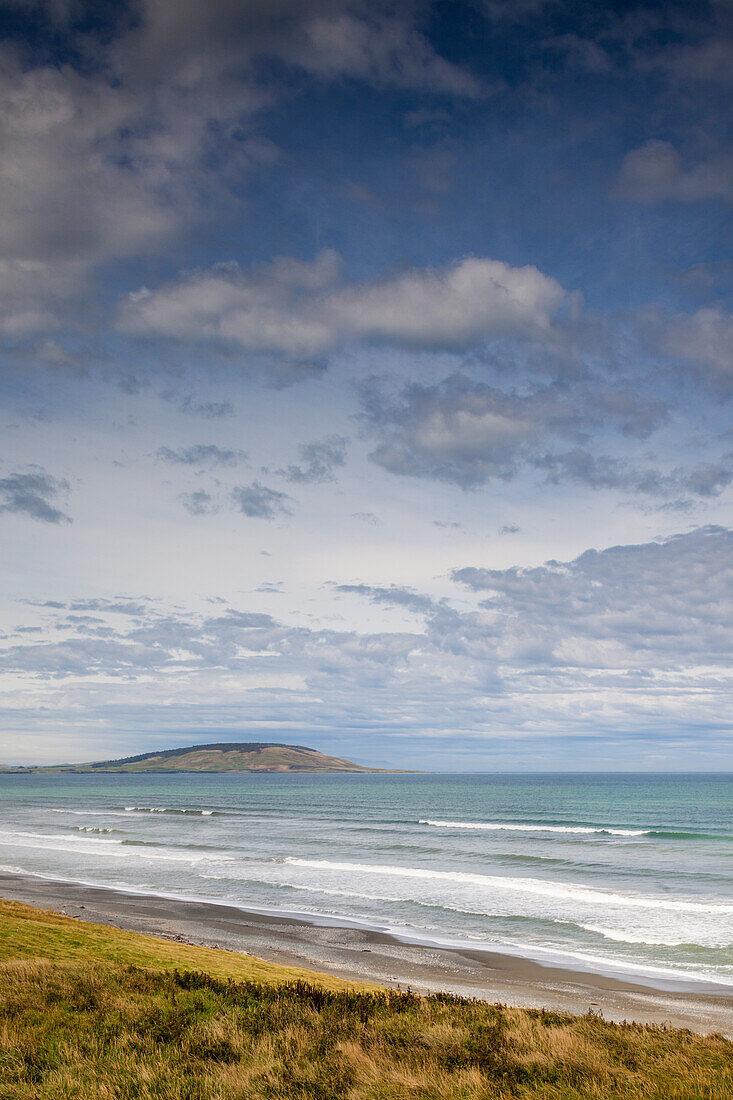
(623, 874)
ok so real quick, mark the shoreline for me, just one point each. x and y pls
(360, 954)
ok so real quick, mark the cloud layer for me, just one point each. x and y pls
(636, 637)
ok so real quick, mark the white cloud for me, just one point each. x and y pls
(456, 306)
(260, 311)
(304, 309)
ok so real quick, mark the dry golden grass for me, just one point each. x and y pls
(98, 1030)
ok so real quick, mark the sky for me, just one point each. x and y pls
(366, 380)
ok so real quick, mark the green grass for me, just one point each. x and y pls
(78, 1020)
(41, 935)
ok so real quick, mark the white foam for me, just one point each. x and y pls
(166, 810)
(87, 813)
(629, 937)
(565, 891)
(502, 826)
(130, 809)
(119, 849)
(86, 840)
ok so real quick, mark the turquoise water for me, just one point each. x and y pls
(620, 873)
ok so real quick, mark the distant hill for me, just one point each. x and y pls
(245, 756)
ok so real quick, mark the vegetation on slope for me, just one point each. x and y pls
(37, 935)
(86, 1029)
(228, 757)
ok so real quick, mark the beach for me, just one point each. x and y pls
(582, 894)
(361, 954)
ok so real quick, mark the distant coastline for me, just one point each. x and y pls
(218, 758)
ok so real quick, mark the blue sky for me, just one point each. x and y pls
(366, 380)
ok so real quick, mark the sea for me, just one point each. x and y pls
(628, 875)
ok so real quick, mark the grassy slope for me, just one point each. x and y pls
(274, 758)
(270, 759)
(75, 1022)
(39, 934)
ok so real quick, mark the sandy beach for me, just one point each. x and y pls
(362, 954)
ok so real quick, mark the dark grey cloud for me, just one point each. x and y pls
(509, 529)
(459, 432)
(708, 60)
(708, 479)
(699, 343)
(704, 479)
(655, 172)
(207, 410)
(667, 603)
(123, 606)
(633, 412)
(199, 503)
(683, 47)
(193, 405)
(35, 296)
(376, 42)
(260, 502)
(600, 472)
(76, 207)
(468, 433)
(131, 384)
(318, 461)
(203, 454)
(394, 596)
(32, 494)
(234, 619)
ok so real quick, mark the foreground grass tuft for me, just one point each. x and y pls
(92, 1030)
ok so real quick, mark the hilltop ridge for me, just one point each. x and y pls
(231, 757)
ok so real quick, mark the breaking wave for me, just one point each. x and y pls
(503, 826)
(566, 891)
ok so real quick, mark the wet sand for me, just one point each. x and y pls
(360, 954)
